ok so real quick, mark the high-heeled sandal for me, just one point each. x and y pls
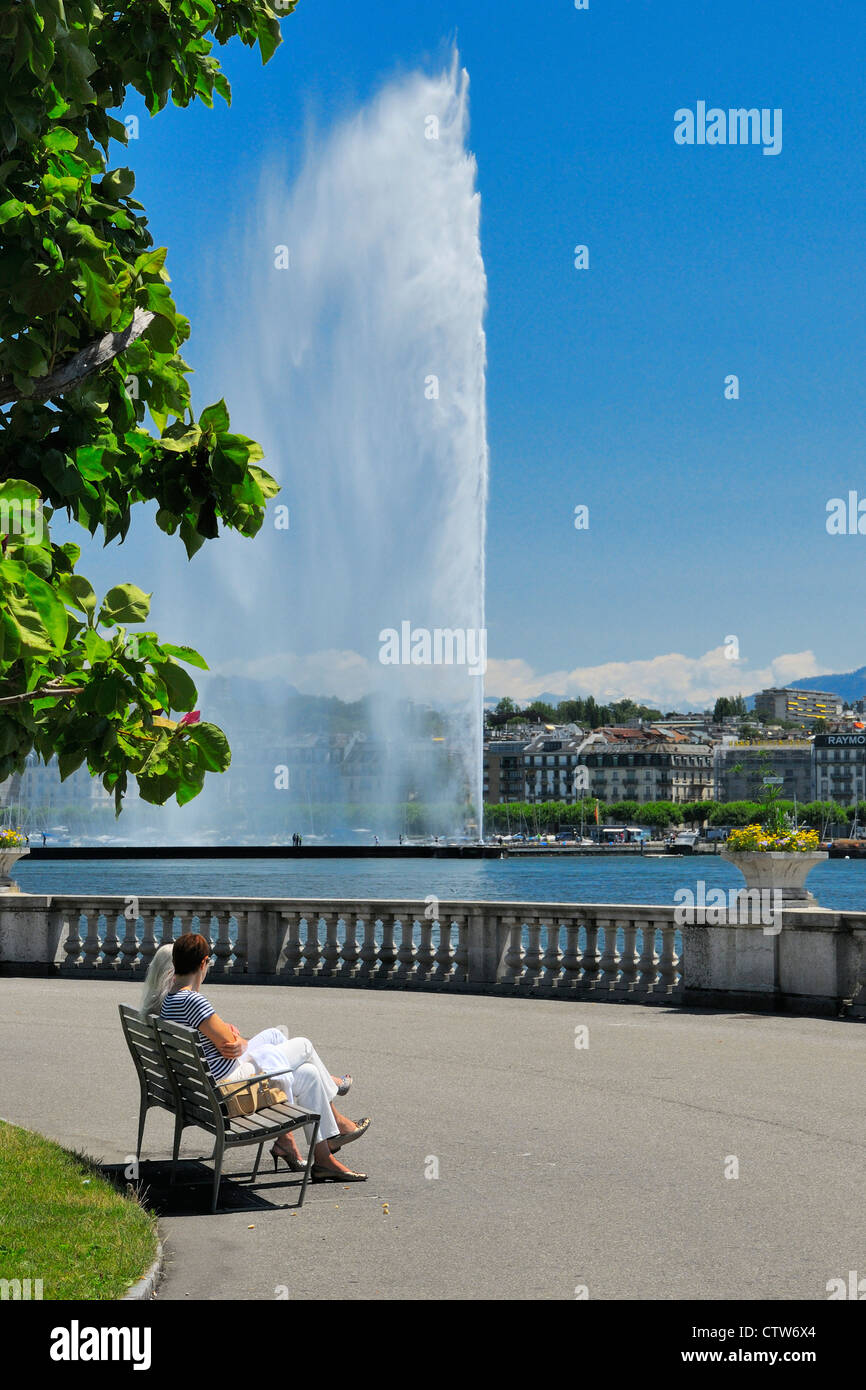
(289, 1159)
(339, 1141)
(325, 1175)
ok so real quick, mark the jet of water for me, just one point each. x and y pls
(356, 354)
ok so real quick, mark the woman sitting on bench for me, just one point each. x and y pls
(172, 990)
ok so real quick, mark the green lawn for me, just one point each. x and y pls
(64, 1224)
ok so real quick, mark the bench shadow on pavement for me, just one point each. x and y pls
(192, 1190)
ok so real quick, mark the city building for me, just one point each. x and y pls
(647, 765)
(618, 763)
(37, 797)
(552, 767)
(503, 770)
(800, 706)
(740, 769)
(839, 768)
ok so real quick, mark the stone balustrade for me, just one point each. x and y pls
(616, 952)
(814, 961)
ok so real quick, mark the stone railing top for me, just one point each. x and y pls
(505, 908)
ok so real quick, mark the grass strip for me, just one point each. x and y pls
(63, 1223)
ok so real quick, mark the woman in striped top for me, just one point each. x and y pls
(173, 990)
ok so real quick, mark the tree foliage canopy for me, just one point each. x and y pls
(95, 410)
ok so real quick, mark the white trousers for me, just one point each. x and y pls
(302, 1075)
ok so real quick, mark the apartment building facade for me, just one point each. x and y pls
(800, 706)
(741, 768)
(839, 768)
(651, 767)
(614, 764)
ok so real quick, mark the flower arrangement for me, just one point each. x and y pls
(756, 838)
(13, 839)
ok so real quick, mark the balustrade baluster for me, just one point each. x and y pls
(571, 957)
(148, 935)
(166, 920)
(331, 948)
(202, 920)
(92, 944)
(129, 945)
(591, 955)
(289, 962)
(388, 950)
(425, 957)
(669, 960)
(406, 953)
(239, 961)
(369, 952)
(350, 954)
(552, 959)
(513, 961)
(532, 959)
(628, 959)
(461, 952)
(72, 945)
(648, 963)
(444, 953)
(312, 950)
(110, 941)
(609, 963)
(223, 945)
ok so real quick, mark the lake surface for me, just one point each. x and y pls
(837, 883)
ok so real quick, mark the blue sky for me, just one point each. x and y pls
(605, 386)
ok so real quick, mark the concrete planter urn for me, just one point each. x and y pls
(783, 871)
(8, 858)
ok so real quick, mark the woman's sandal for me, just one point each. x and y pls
(325, 1175)
(345, 1085)
(339, 1140)
(289, 1159)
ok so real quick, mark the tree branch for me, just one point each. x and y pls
(52, 688)
(81, 366)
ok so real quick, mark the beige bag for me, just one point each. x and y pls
(269, 1094)
(242, 1099)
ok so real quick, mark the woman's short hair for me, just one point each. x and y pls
(188, 952)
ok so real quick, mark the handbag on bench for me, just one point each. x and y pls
(242, 1099)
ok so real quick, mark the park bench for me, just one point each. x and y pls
(173, 1074)
(157, 1085)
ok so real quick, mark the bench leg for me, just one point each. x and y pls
(218, 1150)
(178, 1130)
(258, 1160)
(309, 1166)
(142, 1116)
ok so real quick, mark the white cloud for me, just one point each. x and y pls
(671, 681)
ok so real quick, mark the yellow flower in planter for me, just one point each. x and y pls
(754, 838)
(12, 839)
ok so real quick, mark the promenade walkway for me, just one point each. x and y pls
(558, 1167)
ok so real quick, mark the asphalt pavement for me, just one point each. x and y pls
(662, 1153)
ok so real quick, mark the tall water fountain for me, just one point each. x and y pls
(357, 356)
(348, 338)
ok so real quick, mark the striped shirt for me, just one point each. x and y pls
(192, 1009)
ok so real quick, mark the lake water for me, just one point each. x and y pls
(837, 883)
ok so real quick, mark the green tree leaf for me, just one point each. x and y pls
(123, 604)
